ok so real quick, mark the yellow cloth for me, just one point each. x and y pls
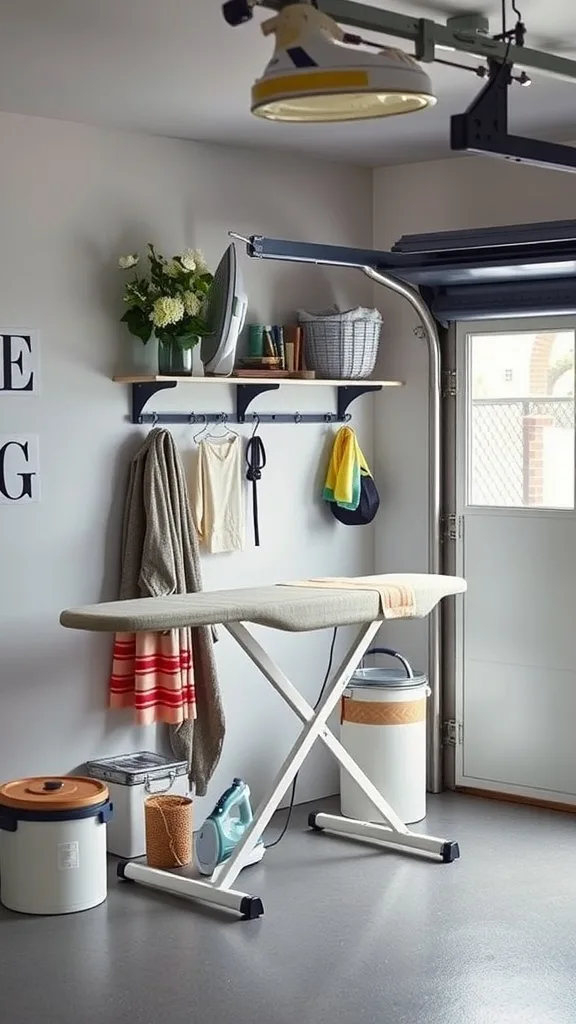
(347, 463)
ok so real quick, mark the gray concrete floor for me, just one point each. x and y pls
(351, 934)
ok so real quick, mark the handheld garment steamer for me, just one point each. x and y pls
(223, 829)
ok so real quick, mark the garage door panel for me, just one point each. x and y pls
(510, 714)
(521, 600)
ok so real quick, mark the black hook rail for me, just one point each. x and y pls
(193, 418)
(142, 392)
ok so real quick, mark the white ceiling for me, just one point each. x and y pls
(174, 67)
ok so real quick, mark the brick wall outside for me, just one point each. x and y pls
(533, 455)
(540, 363)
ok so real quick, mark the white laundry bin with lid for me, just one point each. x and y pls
(383, 727)
(53, 844)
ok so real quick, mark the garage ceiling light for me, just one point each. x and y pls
(314, 77)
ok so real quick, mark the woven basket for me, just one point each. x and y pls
(341, 346)
(168, 822)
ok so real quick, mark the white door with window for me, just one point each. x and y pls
(516, 546)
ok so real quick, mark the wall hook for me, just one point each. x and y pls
(297, 417)
(223, 421)
(256, 420)
(203, 428)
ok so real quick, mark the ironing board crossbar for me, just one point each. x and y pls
(226, 873)
(394, 833)
(306, 713)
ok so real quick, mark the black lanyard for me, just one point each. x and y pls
(256, 460)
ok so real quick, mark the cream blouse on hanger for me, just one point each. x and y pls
(219, 497)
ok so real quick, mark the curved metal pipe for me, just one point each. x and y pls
(434, 538)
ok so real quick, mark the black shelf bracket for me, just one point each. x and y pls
(246, 393)
(143, 392)
(349, 394)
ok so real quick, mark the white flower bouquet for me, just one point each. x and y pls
(170, 300)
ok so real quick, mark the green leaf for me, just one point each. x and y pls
(138, 324)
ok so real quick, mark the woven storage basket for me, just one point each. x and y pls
(342, 346)
(168, 831)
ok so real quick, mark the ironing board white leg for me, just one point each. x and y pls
(179, 885)
(397, 833)
(394, 834)
(306, 713)
(445, 850)
(229, 870)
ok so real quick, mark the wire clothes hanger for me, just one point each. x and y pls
(202, 430)
(205, 432)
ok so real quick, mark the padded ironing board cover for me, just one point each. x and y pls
(291, 608)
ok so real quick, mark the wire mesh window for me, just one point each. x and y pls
(521, 424)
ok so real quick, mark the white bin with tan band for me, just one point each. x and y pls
(383, 727)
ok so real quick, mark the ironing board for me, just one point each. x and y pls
(296, 609)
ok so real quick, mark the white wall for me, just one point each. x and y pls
(435, 196)
(71, 199)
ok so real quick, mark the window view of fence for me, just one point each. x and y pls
(521, 422)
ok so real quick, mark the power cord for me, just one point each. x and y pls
(516, 11)
(269, 846)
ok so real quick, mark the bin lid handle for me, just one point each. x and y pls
(393, 654)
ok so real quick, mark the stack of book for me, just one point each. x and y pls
(281, 354)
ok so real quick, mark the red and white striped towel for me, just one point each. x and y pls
(154, 674)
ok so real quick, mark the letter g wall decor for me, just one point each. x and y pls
(19, 377)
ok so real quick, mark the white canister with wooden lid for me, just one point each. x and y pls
(53, 844)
